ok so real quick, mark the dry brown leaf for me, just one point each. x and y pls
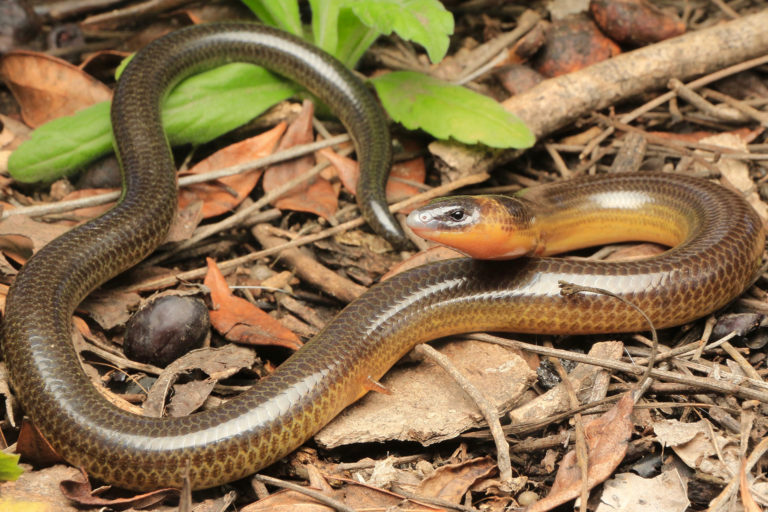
(629, 492)
(636, 252)
(110, 308)
(317, 196)
(607, 438)
(349, 174)
(217, 363)
(35, 448)
(411, 170)
(287, 501)
(239, 320)
(81, 492)
(224, 194)
(38, 491)
(186, 221)
(88, 212)
(736, 173)
(693, 443)
(47, 87)
(353, 494)
(21, 236)
(452, 481)
(745, 134)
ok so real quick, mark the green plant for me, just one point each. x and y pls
(199, 109)
(9, 468)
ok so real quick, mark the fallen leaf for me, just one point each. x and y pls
(81, 492)
(239, 320)
(398, 188)
(629, 492)
(47, 87)
(346, 168)
(736, 173)
(693, 443)
(110, 308)
(636, 252)
(317, 196)
(355, 495)
(217, 363)
(88, 212)
(224, 194)
(348, 171)
(186, 221)
(20, 236)
(452, 481)
(745, 134)
(35, 448)
(607, 439)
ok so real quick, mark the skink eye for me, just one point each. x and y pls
(457, 215)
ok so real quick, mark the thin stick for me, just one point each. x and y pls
(487, 409)
(322, 498)
(663, 98)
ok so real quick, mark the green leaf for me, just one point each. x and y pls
(354, 38)
(278, 13)
(198, 110)
(325, 18)
(446, 110)
(210, 104)
(63, 145)
(425, 22)
(9, 467)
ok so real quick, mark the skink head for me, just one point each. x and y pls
(482, 227)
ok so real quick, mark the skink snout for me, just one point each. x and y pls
(419, 220)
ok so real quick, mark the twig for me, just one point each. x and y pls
(638, 71)
(489, 52)
(667, 96)
(488, 410)
(741, 106)
(322, 498)
(436, 501)
(722, 112)
(582, 452)
(133, 12)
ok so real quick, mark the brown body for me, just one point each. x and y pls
(719, 255)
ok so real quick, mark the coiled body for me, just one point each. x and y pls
(720, 253)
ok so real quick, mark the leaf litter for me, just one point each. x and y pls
(702, 444)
